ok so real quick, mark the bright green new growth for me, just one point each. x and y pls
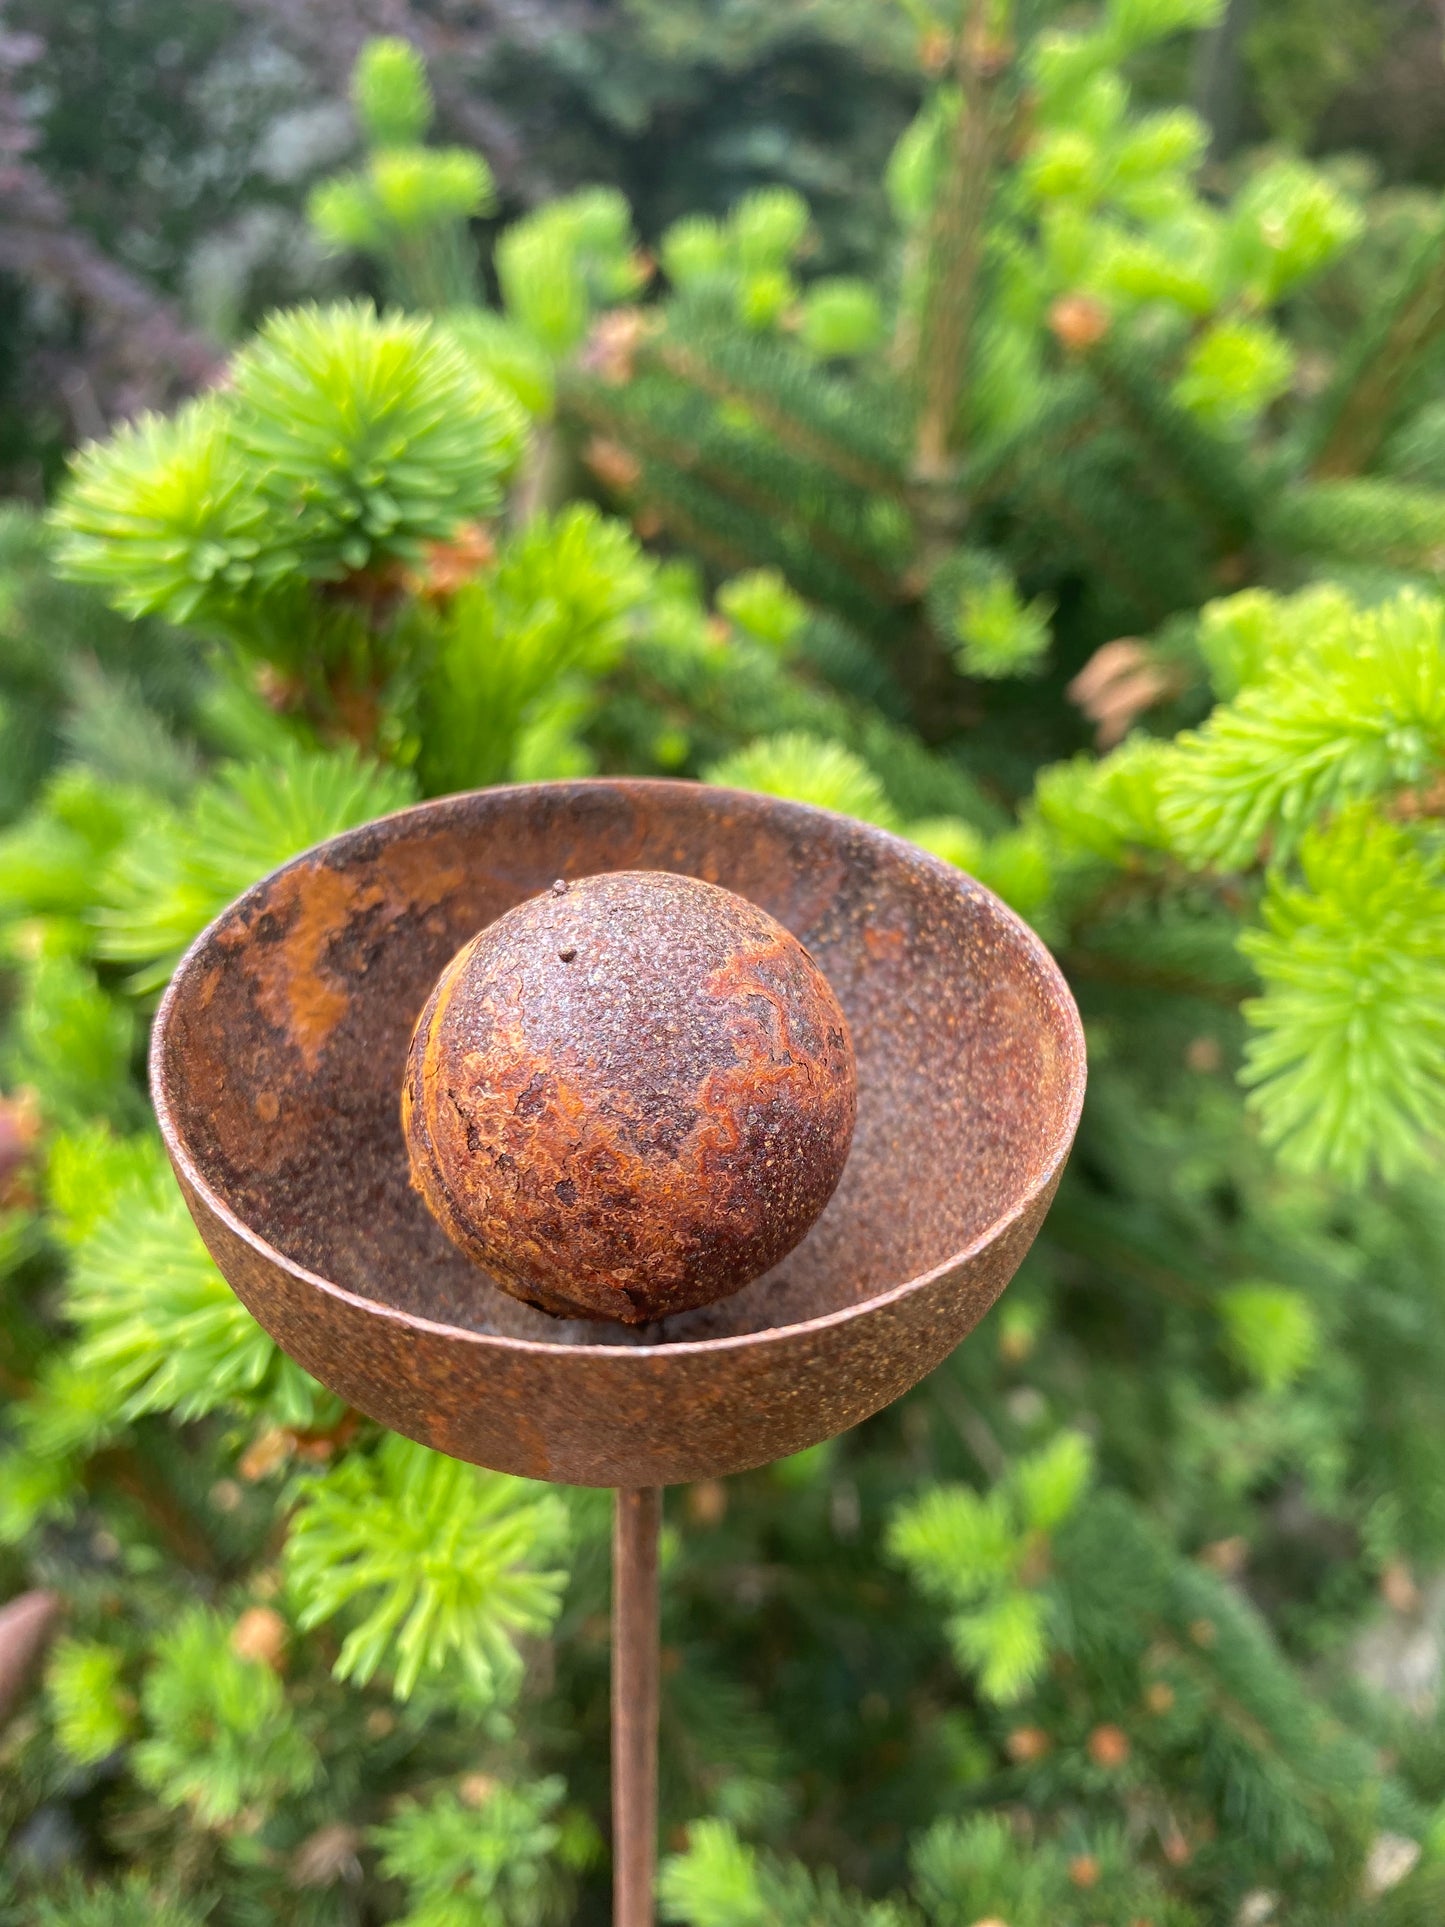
(810, 771)
(408, 202)
(404, 191)
(761, 603)
(1349, 1069)
(562, 262)
(555, 605)
(94, 1714)
(976, 602)
(720, 1882)
(487, 1854)
(1317, 770)
(1270, 1331)
(346, 442)
(981, 1557)
(1234, 372)
(74, 1042)
(159, 1326)
(840, 318)
(432, 1563)
(392, 93)
(1356, 712)
(157, 518)
(220, 1736)
(370, 436)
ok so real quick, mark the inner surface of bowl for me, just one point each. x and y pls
(281, 1048)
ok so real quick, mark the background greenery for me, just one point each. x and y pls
(923, 414)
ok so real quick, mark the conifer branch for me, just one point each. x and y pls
(1092, 541)
(123, 1470)
(803, 439)
(1363, 401)
(693, 531)
(750, 495)
(1362, 519)
(1065, 422)
(1191, 463)
(856, 584)
(981, 65)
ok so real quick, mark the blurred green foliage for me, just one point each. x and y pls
(1085, 527)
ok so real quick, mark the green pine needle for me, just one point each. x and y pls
(52, 860)
(130, 1902)
(957, 1543)
(367, 435)
(980, 1552)
(974, 601)
(501, 1853)
(841, 317)
(1004, 1643)
(719, 1882)
(72, 1044)
(344, 440)
(809, 770)
(158, 1323)
(977, 1868)
(761, 602)
(437, 1565)
(564, 260)
(1359, 712)
(219, 1736)
(163, 518)
(390, 89)
(1109, 807)
(1270, 1331)
(556, 604)
(1049, 1483)
(1348, 1067)
(402, 192)
(92, 1710)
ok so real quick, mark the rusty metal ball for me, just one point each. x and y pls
(629, 1096)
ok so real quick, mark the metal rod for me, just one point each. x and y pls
(637, 1519)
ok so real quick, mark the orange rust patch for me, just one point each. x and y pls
(293, 989)
(419, 881)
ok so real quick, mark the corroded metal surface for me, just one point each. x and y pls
(629, 1095)
(278, 1057)
(636, 1670)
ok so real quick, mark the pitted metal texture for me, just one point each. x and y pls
(629, 1096)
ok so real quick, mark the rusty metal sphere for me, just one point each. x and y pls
(629, 1096)
(281, 1046)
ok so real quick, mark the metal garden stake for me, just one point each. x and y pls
(281, 1051)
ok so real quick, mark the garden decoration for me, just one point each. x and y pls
(284, 1042)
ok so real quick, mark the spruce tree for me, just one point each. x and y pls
(1073, 1635)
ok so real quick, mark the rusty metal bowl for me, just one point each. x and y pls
(276, 1068)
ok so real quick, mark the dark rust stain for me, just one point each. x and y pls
(687, 1095)
(970, 1076)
